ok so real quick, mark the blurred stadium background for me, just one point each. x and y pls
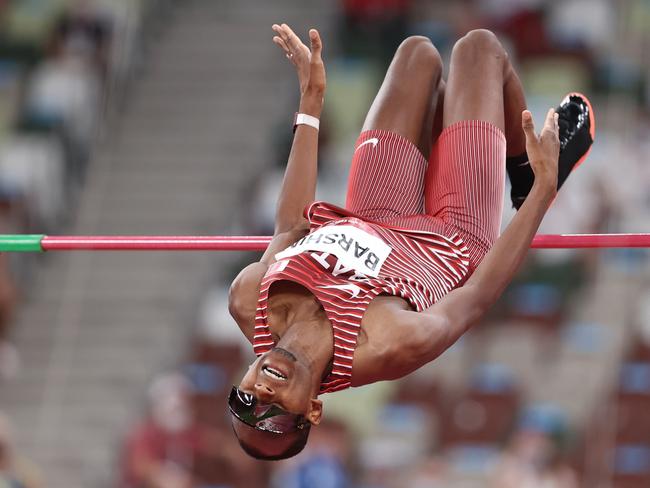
(174, 117)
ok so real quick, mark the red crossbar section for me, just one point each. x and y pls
(570, 241)
(259, 243)
(155, 243)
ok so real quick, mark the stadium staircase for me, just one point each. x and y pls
(97, 327)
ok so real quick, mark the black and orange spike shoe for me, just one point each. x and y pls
(577, 132)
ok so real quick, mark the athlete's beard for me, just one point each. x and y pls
(285, 353)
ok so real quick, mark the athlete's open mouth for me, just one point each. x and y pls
(273, 373)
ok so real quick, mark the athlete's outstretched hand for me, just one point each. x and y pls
(543, 150)
(308, 62)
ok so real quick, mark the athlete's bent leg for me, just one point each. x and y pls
(390, 158)
(514, 103)
(476, 80)
(407, 100)
(464, 188)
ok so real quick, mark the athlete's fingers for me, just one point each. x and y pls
(283, 34)
(316, 44)
(295, 50)
(549, 124)
(280, 43)
(278, 40)
(291, 39)
(528, 125)
(278, 30)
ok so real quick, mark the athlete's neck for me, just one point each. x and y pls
(310, 339)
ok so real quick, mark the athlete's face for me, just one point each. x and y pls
(277, 377)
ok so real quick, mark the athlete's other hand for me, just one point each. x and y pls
(308, 62)
(543, 150)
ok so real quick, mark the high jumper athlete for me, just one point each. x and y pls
(349, 296)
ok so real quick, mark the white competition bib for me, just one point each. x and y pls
(355, 248)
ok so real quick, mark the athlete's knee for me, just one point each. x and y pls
(419, 45)
(420, 52)
(479, 45)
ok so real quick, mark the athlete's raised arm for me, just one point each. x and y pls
(299, 185)
(426, 335)
(464, 306)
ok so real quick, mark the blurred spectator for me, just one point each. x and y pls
(170, 448)
(532, 458)
(433, 472)
(64, 98)
(159, 451)
(84, 31)
(32, 170)
(530, 462)
(324, 462)
(15, 471)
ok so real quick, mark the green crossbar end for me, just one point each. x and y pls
(21, 243)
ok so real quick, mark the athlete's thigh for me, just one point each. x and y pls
(387, 171)
(405, 103)
(475, 81)
(465, 181)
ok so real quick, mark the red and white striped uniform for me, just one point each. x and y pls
(393, 238)
(420, 268)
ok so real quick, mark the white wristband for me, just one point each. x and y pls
(304, 119)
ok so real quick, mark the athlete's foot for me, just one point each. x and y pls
(577, 132)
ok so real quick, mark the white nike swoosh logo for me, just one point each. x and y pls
(524, 164)
(373, 140)
(353, 289)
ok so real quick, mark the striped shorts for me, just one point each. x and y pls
(459, 191)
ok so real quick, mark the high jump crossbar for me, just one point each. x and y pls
(41, 242)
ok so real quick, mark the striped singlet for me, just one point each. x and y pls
(346, 261)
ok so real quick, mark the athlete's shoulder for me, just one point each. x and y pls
(243, 297)
(399, 341)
